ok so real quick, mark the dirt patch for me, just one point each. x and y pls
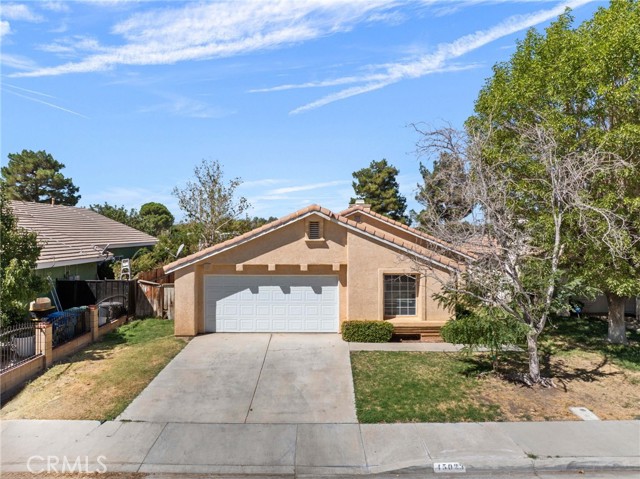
(584, 380)
(100, 381)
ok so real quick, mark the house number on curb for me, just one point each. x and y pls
(448, 467)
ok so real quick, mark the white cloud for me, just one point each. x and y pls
(213, 30)
(293, 189)
(436, 61)
(5, 28)
(18, 62)
(60, 7)
(18, 12)
(262, 182)
(370, 77)
(179, 105)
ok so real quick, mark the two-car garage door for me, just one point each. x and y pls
(243, 303)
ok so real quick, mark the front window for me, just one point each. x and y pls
(399, 295)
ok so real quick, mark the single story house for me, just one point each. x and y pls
(310, 271)
(76, 240)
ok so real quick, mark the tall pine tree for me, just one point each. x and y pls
(377, 185)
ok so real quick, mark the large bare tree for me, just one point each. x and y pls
(517, 234)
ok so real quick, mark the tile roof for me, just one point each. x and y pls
(366, 229)
(356, 208)
(71, 235)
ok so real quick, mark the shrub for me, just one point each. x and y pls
(367, 331)
(484, 328)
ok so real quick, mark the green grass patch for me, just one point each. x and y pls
(418, 387)
(573, 335)
(100, 381)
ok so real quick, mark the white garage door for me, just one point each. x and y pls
(271, 303)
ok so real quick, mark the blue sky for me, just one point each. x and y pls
(291, 96)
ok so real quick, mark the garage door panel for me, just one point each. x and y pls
(271, 303)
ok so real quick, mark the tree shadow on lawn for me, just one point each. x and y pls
(98, 350)
(512, 365)
(589, 334)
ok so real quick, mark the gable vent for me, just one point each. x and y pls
(314, 230)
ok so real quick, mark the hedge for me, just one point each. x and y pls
(367, 331)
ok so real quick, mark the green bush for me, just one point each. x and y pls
(484, 328)
(367, 331)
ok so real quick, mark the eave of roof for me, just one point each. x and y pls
(368, 230)
(70, 235)
(353, 209)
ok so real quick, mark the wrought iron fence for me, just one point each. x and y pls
(17, 344)
(67, 325)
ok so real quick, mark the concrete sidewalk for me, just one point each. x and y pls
(320, 449)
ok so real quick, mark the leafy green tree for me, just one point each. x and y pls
(211, 203)
(584, 85)
(244, 225)
(510, 259)
(155, 218)
(35, 176)
(19, 251)
(377, 185)
(118, 213)
(441, 193)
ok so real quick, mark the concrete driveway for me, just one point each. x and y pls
(252, 378)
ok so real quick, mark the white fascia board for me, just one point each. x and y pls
(352, 228)
(428, 240)
(275, 228)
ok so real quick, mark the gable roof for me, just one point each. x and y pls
(376, 234)
(438, 243)
(70, 235)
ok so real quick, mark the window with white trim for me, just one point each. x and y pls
(400, 293)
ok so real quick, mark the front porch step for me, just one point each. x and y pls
(428, 332)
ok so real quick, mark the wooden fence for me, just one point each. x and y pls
(140, 297)
(154, 299)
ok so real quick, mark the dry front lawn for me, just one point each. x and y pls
(453, 387)
(100, 381)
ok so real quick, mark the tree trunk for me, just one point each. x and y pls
(534, 362)
(617, 327)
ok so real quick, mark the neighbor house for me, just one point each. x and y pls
(312, 270)
(76, 240)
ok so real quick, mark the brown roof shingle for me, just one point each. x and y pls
(69, 234)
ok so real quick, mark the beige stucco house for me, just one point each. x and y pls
(310, 271)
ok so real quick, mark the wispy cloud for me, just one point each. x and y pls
(5, 28)
(314, 186)
(43, 102)
(434, 62)
(19, 12)
(179, 105)
(15, 12)
(371, 77)
(74, 45)
(262, 182)
(59, 6)
(213, 30)
(17, 62)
